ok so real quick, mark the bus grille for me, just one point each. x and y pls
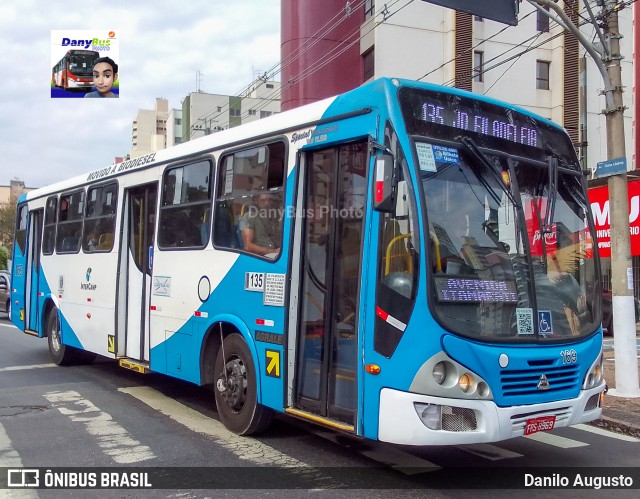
(518, 382)
(593, 402)
(458, 419)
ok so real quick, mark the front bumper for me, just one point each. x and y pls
(400, 423)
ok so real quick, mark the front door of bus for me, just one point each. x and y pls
(136, 262)
(34, 240)
(327, 347)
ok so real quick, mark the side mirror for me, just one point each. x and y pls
(384, 184)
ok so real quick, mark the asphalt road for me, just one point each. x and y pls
(101, 417)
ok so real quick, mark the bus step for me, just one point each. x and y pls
(336, 425)
(135, 365)
(31, 332)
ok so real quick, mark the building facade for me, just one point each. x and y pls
(535, 65)
(201, 114)
(204, 113)
(149, 129)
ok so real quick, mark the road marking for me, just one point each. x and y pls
(606, 433)
(24, 368)
(488, 451)
(10, 458)
(389, 456)
(555, 440)
(114, 440)
(247, 449)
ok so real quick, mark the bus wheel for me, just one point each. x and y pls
(62, 355)
(236, 390)
(8, 309)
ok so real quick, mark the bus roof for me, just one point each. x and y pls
(285, 121)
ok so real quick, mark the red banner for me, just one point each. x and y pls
(599, 199)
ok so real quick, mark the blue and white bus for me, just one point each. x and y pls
(404, 262)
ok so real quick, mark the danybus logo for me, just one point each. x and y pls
(88, 286)
(85, 44)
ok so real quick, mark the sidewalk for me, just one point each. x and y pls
(618, 413)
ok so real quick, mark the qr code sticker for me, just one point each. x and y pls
(525, 320)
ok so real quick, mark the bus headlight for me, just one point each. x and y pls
(440, 372)
(594, 375)
(465, 382)
(441, 376)
(430, 414)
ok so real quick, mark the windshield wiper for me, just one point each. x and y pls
(552, 162)
(488, 166)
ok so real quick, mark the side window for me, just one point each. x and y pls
(250, 200)
(69, 230)
(100, 218)
(186, 207)
(49, 233)
(21, 227)
(398, 258)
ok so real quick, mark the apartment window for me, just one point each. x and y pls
(542, 21)
(369, 8)
(542, 75)
(234, 113)
(265, 114)
(219, 108)
(369, 64)
(252, 112)
(178, 121)
(478, 18)
(270, 85)
(478, 66)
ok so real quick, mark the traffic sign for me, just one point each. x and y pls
(611, 167)
(503, 11)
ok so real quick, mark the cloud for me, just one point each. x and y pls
(162, 45)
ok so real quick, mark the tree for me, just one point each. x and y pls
(7, 226)
(4, 256)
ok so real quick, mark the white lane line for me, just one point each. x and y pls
(397, 459)
(114, 440)
(488, 451)
(606, 433)
(10, 458)
(245, 448)
(24, 368)
(556, 440)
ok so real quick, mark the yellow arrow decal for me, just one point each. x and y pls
(273, 363)
(111, 344)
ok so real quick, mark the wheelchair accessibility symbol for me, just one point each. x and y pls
(544, 322)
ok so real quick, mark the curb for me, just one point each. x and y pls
(617, 426)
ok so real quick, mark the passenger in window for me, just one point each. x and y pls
(261, 231)
(105, 73)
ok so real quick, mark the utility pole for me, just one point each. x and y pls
(607, 59)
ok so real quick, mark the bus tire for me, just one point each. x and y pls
(62, 355)
(8, 309)
(236, 391)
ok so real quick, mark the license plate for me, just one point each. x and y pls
(544, 423)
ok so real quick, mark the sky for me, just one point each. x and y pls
(162, 44)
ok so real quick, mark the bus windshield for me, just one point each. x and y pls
(81, 63)
(511, 247)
